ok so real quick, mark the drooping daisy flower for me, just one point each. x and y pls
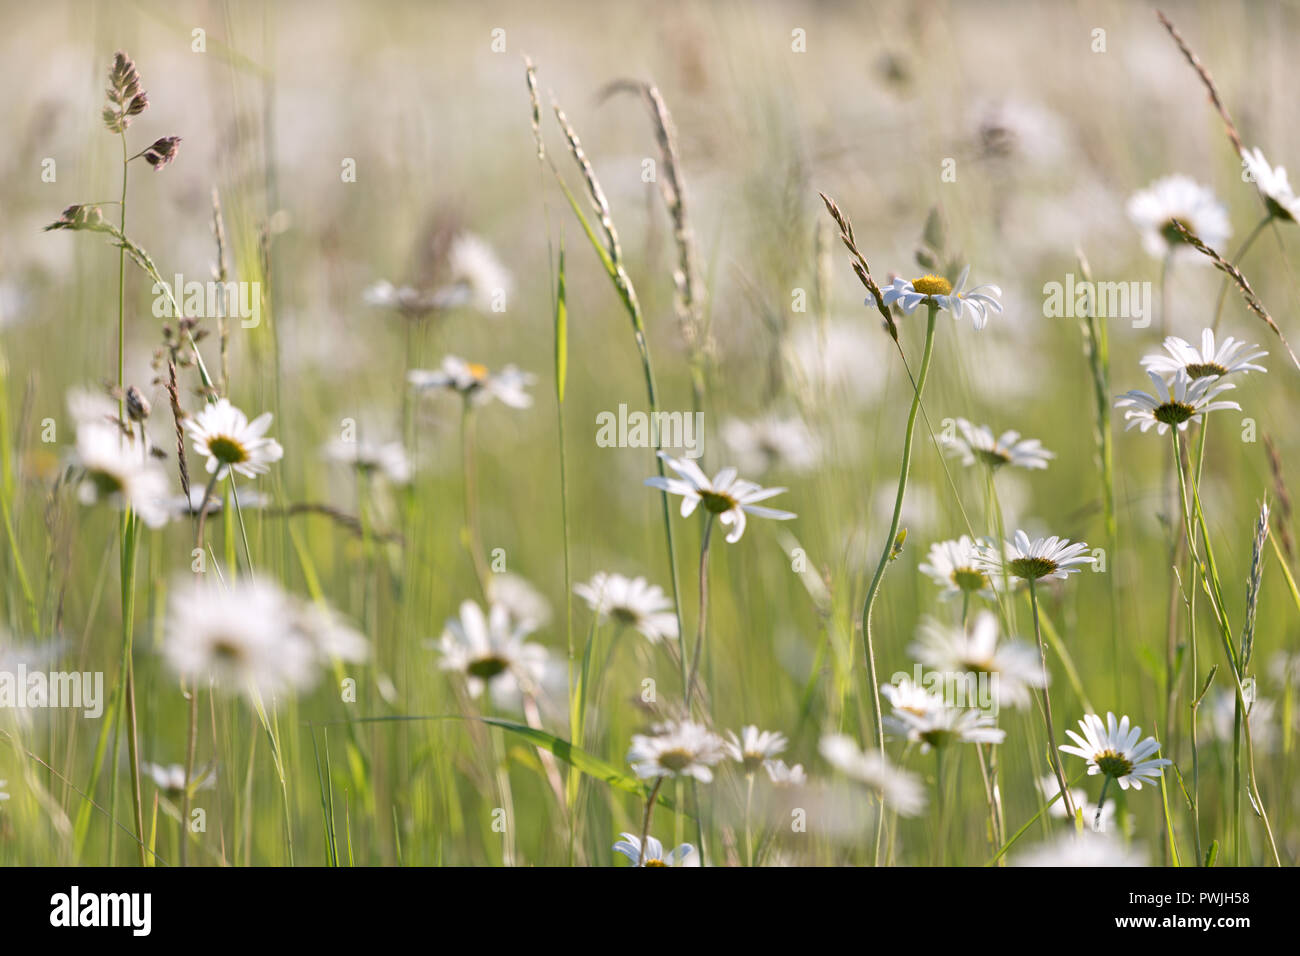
(1176, 402)
(676, 749)
(784, 776)
(977, 444)
(771, 442)
(1178, 199)
(489, 651)
(1042, 558)
(1113, 749)
(630, 847)
(224, 435)
(631, 602)
(946, 296)
(476, 383)
(1231, 356)
(754, 747)
(385, 459)
(1273, 185)
(1081, 848)
(944, 725)
(901, 790)
(1049, 788)
(120, 472)
(1012, 666)
(955, 567)
(727, 496)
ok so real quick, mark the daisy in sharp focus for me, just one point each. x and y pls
(676, 749)
(1273, 186)
(955, 566)
(1042, 558)
(1231, 355)
(1113, 749)
(976, 443)
(476, 383)
(1177, 402)
(754, 747)
(1012, 666)
(727, 496)
(119, 471)
(224, 435)
(901, 790)
(631, 602)
(490, 652)
(1178, 199)
(630, 847)
(944, 295)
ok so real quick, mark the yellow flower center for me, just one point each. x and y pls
(227, 450)
(479, 371)
(717, 503)
(932, 285)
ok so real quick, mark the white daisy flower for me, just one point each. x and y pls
(727, 496)
(950, 298)
(477, 277)
(631, 602)
(771, 442)
(387, 459)
(676, 749)
(754, 747)
(224, 435)
(476, 383)
(784, 776)
(1041, 558)
(630, 847)
(523, 602)
(1049, 788)
(1273, 185)
(1231, 356)
(182, 507)
(1178, 199)
(1177, 402)
(1219, 718)
(977, 444)
(4, 795)
(171, 777)
(901, 790)
(1081, 848)
(242, 638)
(1013, 666)
(944, 725)
(1113, 749)
(120, 472)
(489, 651)
(329, 633)
(905, 694)
(955, 566)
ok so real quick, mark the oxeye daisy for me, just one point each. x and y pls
(1049, 788)
(905, 694)
(224, 435)
(490, 652)
(676, 749)
(476, 383)
(898, 788)
(938, 291)
(944, 725)
(785, 776)
(1176, 402)
(1113, 749)
(727, 496)
(1178, 200)
(1041, 558)
(120, 472)
(955, 566)
(1012, 666)
(630, 847)
(1075, 848)
(631, 602)
(371, 458)
(771, 442)
(976, 444)
(171, 778)
(754, 747)
(1231, 356)
(1273, 186)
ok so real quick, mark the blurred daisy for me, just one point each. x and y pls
(489, 651)
(770, 442)
(906, 695)
(1176, 402)
(1081, 848)
(977, 444)
(1220, 716)
(121, 473)
(329, 633)
(524, 603)
(1013, 667)
(784, 776)
(477, 277)
(954, 566)
(943, 294)
(1041, 558)
(182, 507)
(385, 459)
(898, 788)
(4, 795)
(1273, 185)
(944, 725)
(676, 749)
(630, 602)
(1113, 749)
(726, 496)
(171, 777)
(754, 747)
(476, 383)
(1207, 361)
(630, 847)
(224, 435)
(1178, 199)
(1049, 788)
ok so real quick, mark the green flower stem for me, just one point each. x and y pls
(1053, 757)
